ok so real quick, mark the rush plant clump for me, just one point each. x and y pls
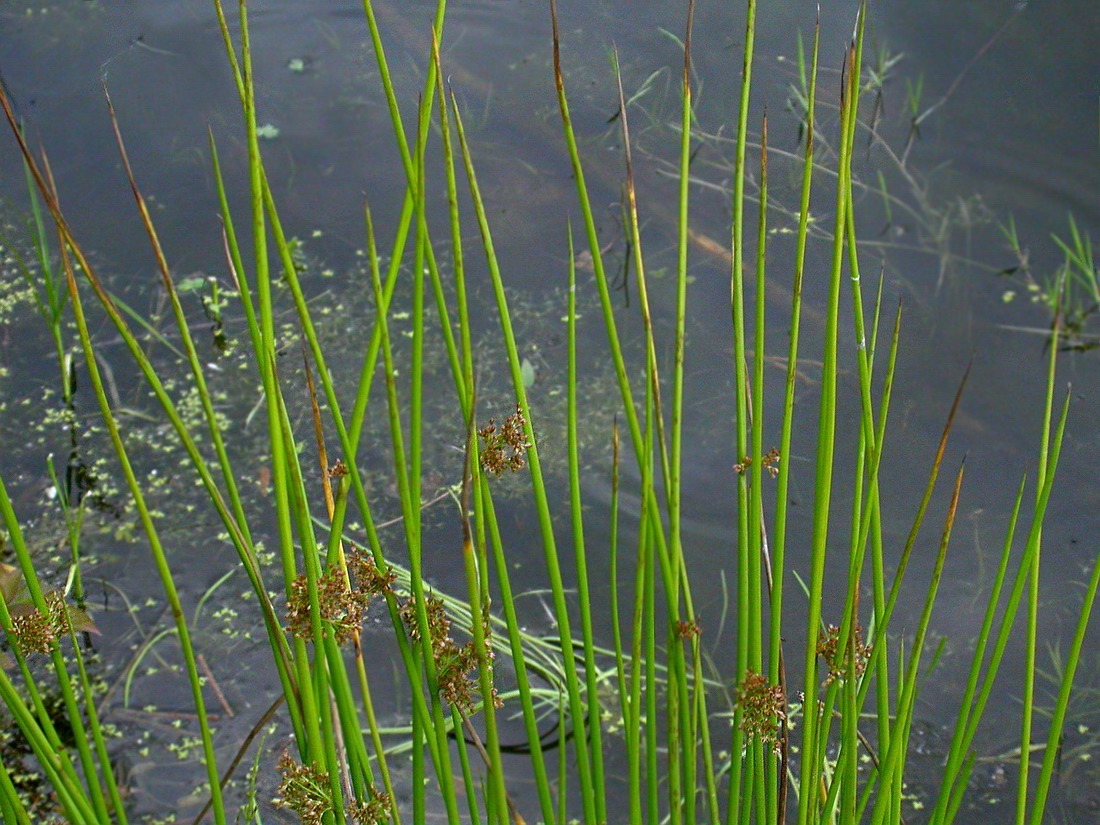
(314, 523)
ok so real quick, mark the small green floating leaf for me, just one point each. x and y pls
(527, 371)
(191, 283)
(268, 131)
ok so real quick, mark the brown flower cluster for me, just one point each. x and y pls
(456, 666)
(834, 651)
(373, 811)
(504, 448)
(763, 707)
(339, 605)
(771, 463)
(36, 631)
(688, 630)
(366, 575)
(305, 790)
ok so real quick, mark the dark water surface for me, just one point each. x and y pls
(1014, 133)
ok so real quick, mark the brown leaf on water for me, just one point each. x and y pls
(584, 261)
(12, 586)
(81, 621)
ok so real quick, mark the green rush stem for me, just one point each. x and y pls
(1027, 710)
(756, 419)
(376, 738)
(416, 433)
(863, 517)
(54, 763)
(550, 553)
(625, 693)
(186, 339)
(776, 671)
(584, 596)
(241, 543)
(477, 588)
(420, 655)
(741, 769)
(361, 771)
(750, 781)
(197, 371)
(969, 707)
(818, 765)
(353, 431)
(681, 748)
(649, 640)
(645, 625)
(350, 442)
(464, 764)
(157, 550)
(745, 621)
(349, 439)
(634, 230)
(673, 492)
(38, 728)
(808, 788)
(479, 608)
(397, 124)
(632, 713)
(883, 615)
(105, 765)
(880, 668)
(672, 569)
(411, 494)
(135, 350)
(465, 380)
(1021, 580)
(409, 208)
(765, 791)
(413, 205)
(51, 309)
(507, 598)
(315, 679)
(64, 680)
(634, 731)
(563, 776)
(672, 585)
(311, 749)
(419, 780)
(872, 522)
(241, 536)
(11, 806)
(894, 759)
(1052, 751)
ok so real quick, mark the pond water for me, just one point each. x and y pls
(1012, 88)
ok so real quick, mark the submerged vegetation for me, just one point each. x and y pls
(447, 447)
